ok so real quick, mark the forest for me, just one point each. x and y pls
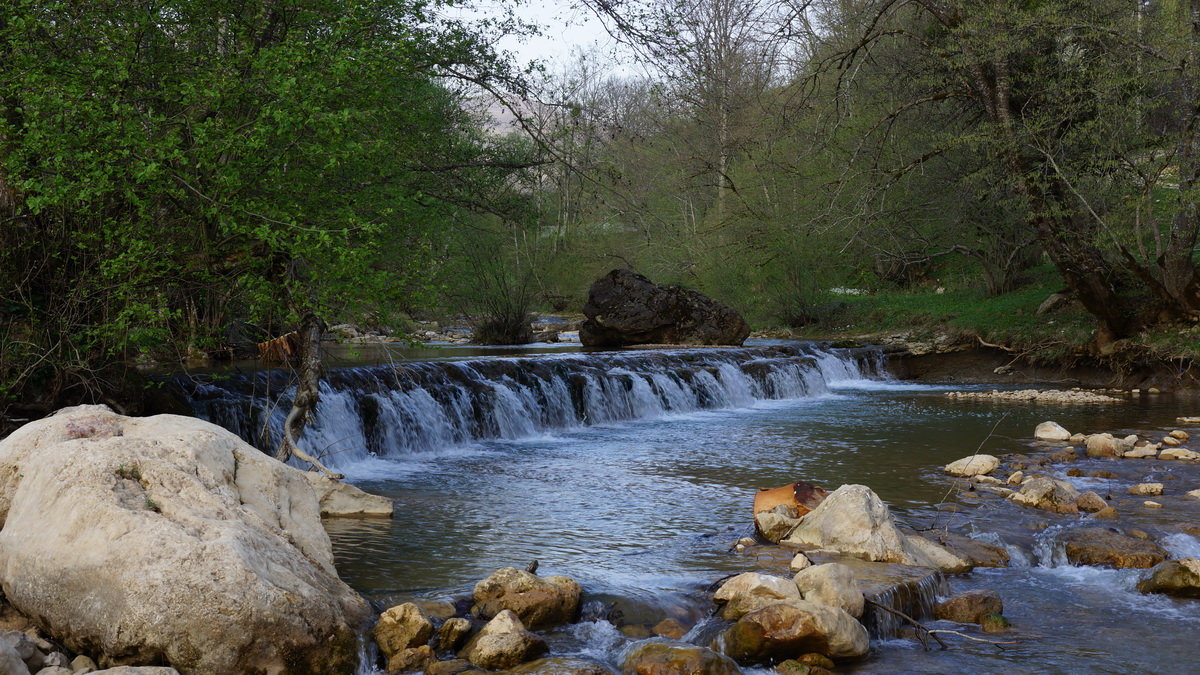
(179, 179)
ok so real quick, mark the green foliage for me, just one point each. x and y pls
(168, 169)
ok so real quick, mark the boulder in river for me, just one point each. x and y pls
(503, 643)
(561, 665)
(1104, 547)
(750, 591)
(970, 607)
(1048, 494)
(343, 500)
(975, 465)
(665, 657)
(401, 627)
(831, 584)
(775, 524)
(854, 521)
(1173, 577)
(1051, 431)
(789, 629)
(626, 308)
(540, 602)
(170, 540)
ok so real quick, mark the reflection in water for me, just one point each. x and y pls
(643, 514)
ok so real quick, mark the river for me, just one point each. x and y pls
(633, 472)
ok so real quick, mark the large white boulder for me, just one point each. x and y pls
(854, 521)
(750, 591)
(833, 585)
(1051, 431)
(975, 465)
(169, 539)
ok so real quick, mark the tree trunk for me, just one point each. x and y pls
(304, 405)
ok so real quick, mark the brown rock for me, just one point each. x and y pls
(626, 308)
(503, 643)
(977, 553)
(561, 665)
(970, 606)
(801, 497)
(1106, 513)
(1090, 502)
(656, 657)
(790, 629)
(453, 633)
(1043, 492)
(401, 627)
(1174, 577)
(452, 667)
(1103, 547)
(637, 631)
(411, 660)
(670, 628)
(539, 602)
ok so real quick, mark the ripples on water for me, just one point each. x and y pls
(642, 506)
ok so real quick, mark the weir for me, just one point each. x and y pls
(409, 408)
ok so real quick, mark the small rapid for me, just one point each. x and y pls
(400, 410)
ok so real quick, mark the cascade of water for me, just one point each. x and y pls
(412, 408)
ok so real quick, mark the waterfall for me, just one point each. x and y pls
(420, 407)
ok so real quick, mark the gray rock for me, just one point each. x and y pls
(11, 662)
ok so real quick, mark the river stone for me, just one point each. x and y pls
(1016, 478)
(1048, 494)
(775, 524)
(452, 633)
(187, 545)
(1103, 547)
(1146, 489)
(23, 644)
(561, 665)
(970, 606)
(539, 602)
(401, 627)
(1180, 434)
(343, 500)
(670, 628)
(1173, 577)
(1106, 445)
(412, 659)
(831, 584)
(11, 662)
(853, 520)
(789, 629)
(1051, 431)
(750, 591)
(972, 552)
(801, 561)
(975, 465)
(1142, 451)
(1179, 453)
(1171, 441)
(83, 664)
(664, 657)
(1090, 502)
(503, 643)
(450, 667)
(626, 308)
(936, 555)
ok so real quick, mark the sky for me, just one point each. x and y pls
(565, 30)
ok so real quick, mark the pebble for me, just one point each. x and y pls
(1146, 489)
(801, 561)
(1152, 505)
(1180, 434)
(1194, 493)
(1016, 478)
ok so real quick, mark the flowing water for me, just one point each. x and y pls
(634, 472)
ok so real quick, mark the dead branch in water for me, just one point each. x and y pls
(304, 405)
(923, 633)
(995, 643)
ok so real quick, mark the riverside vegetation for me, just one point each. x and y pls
(184, 180)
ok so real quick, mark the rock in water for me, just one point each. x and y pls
(1051, 431)
(853, 520)
(1174, 577)
(626, 308)
(1103, 547)
(170, 540)
(503, 643)
(539, 602)
(790, 629)
(833, 585)
(751, 591)
(970, 607)
(975, 465)
(661, 657)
